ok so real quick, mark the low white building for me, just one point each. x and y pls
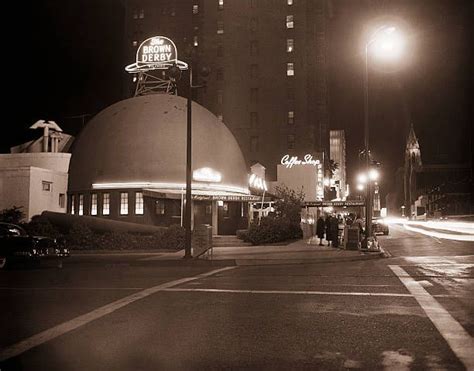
(34, 181)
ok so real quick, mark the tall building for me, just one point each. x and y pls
(267, 60)
(337, 153)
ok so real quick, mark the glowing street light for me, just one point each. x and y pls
(385, 43)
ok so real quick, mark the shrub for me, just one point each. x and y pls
(243, 234)
(173, 238)
(273, 229)
(13, 215)
(80, 236)
(41, 226)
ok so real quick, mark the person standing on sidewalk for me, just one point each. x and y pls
(320, 229)
(334, 231)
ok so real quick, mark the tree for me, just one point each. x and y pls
(289, 203)
(13, 215)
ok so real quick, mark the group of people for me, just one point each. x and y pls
(332, 225)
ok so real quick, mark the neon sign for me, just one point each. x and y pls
(206, 174)
(289, 162)
(156, 53)
(258, 183)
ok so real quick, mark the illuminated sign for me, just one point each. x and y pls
(332, 203)
(156, 53)
(258, 183)
(206, 174)
(289, 162)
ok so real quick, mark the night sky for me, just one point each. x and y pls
(66, 59)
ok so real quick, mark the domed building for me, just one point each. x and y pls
(129, 164)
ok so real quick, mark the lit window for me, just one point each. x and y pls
(254, 119)
(253, 47)
(73, 204)
(291, 141)
(160, 207)
(173, 12)
(134, 42)
(291, 117)
(134, 79)
(290, 69)
(220, 74)
(225, 209)
(47, 186)
(253, 144)
(220, 97)
(220, 117)
(220, 27)
(254, 71)
(62, 200)
(94, 204)
(220, 4)
(289, 21)
(106, 204)
(123, 203)
(289, 2)
(290, 92)
(139, 203)
(195, 9)
(142, 14)
(135, 14)
(195, 43)
(81, 205)
(290, 45)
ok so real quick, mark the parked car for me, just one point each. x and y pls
(17, 246)
(379, 226)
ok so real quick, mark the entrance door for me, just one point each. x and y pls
(202, 212)
(229, 217)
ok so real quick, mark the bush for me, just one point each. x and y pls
(81, 237)
(273, 229)
(243, 234)
(13, 215)
(41, 226)
(173, 238)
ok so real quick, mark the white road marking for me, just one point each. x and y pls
(68, 326)
(461, 343)
(285, 292)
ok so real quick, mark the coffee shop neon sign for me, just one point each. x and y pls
(290, 161)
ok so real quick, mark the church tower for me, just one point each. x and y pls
(412, 166)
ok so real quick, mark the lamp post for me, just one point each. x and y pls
(387, 46)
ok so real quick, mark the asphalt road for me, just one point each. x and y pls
(413, 310)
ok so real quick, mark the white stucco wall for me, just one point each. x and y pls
(21, 181)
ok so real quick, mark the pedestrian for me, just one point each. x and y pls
(320, 229)
(327, 226)
(334, 231)
(358, 223)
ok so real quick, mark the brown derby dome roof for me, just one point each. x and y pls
(143, 139)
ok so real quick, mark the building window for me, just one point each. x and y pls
(291, 117)
(208, 209)
(253, 24)
(254, 71)
(139, 203)
(123, 203)
(220, 27)
(220, 117)
(142, 14)
(289, 2)
(253, 3)
(94, 204)
(195, 43)
(73, 204)
(253, 48)
(289, 21)
(220, 50)
(135, 14)
(254, 144)
(291, 141)
(220, 4)
(290, 92)
(81, 205)
(220, 97)
(134, 43)
(62, 200)
(254, 119)
(160, 207)
(195, 9)
(254, 95)
(290, 45)
(47, 186)
(106, 204)
(220, 74)
(290, 69)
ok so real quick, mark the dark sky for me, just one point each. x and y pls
(66, 60)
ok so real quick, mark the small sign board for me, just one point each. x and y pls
(332, 203)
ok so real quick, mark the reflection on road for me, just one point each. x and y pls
(458, 231)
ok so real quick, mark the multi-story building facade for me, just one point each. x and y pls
(267, 60)
(337, 153)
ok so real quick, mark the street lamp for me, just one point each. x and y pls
(175, 74)
(386, 43)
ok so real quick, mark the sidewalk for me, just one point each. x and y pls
(299, 252)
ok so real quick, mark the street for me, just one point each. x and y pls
(412, 310)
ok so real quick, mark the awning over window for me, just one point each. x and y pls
(199, 195)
